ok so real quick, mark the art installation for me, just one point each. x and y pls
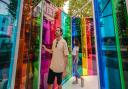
(26, 25)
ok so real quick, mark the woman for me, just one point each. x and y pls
(75, 53)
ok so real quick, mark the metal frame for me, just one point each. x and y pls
(96, 45)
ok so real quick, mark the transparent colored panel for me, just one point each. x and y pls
(76, 33)
(45, 56)
(66, 26)
(48, 35)
(84, 47)
(89, 46)
(107, 48)
(121, 18)
(27, 72)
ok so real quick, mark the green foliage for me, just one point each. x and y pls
(58, 3)
(121, 16)
(75, 5)
(12, 7)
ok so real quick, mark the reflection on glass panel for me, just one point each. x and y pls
(27, 72)
(9, 16)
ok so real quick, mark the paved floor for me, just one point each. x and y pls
(90, 82)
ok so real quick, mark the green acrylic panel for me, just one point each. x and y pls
(66, 26)
(108, 58)
(121, 28)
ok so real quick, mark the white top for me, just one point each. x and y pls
(75, 49)
(58, 55)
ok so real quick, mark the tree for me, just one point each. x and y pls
(75, 5)
(12, 7)
(121, 17)
(58, 3)
(4, 2)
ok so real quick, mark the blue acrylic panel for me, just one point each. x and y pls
(76, 33)
(106, 44)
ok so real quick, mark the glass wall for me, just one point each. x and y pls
(9, 23)
(27, 72)
(108, 57)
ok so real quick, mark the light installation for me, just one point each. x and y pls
(111, 34)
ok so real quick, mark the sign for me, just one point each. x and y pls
(49, 10)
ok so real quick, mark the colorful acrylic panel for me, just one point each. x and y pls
(84, 47)
(76, 33)
(106, 44)
(89, 45)
(66, 26)
(121, 28)
(27, 72)
(45, 56)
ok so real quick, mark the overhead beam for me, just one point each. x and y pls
(4, 2)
